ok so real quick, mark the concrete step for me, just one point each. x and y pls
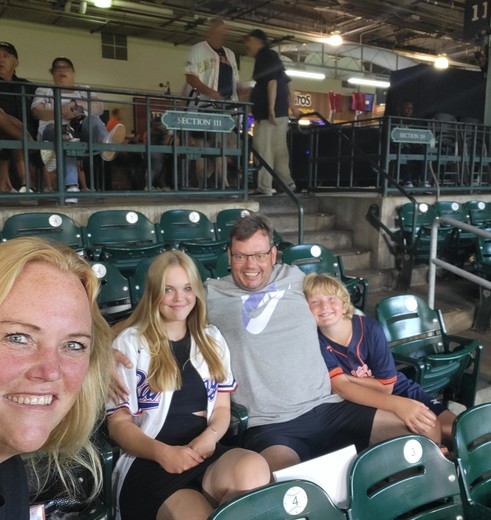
(332, 238)
(354, 260)
(282, 204)
(288, 222)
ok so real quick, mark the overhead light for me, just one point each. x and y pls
(103, 4)
(334, 39)
(305, 74)
(369, 82)
(441, 62)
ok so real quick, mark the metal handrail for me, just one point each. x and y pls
(434, 261)
(287, 190)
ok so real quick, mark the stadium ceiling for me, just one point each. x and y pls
(409, 27)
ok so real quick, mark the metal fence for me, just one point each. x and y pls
(199, 134)
(439, 154)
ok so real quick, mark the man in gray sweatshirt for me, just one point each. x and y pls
(283, 381)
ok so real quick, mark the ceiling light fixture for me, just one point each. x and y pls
(441, 62)
(334, 39)
(378, 83)
(305, 74)
(103, 4)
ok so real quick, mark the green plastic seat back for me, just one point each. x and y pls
(114, 298)
(207, 252)
(312, 258)
(479, 213)
(406, 316)
(178, 225)
(52, 226)
(425, 215)
(404, 476)
(137, 280)
(289, 500)
(472, 440)
(226, 218)
(452, 209)
(483, 251)
(222, 267)
(120, 228)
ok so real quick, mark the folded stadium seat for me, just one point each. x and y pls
(426, 353)
(137, 279)
(222, 267)
(405, 477)
(114, 298)
(194, 233)
(472, 441)
(315, 258)
(475, 150)
(479, 213)
(52, 226)
(459, 244)
(122, 237)
(292, 499)
(226, 218)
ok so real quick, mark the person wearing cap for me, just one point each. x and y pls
(11, 117)
(212, 73)
(76, 120)
(271, 98)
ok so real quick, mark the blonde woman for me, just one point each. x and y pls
(361, 366)
(54, 358)
(172, 465)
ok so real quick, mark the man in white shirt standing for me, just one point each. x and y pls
(211, 70)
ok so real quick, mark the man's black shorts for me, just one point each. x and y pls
(326, 428)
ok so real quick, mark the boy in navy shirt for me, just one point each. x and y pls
(361, 366)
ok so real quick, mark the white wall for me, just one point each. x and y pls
(149, 62)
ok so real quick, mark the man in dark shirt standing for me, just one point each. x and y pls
(11, 126)
(271, 98)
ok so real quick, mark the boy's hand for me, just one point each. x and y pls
(416, 416)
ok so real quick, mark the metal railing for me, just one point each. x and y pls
(457, 159)
(437, 262)
(145, 107)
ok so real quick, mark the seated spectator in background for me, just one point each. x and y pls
(263, 315)
(361, 366)
(162, 164)
(55, 354)
(172, 465)
(75, 119)
(114, 120)
(211, 71)
(412, 172)
(11, 126)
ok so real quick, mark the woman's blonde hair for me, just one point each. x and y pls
(328, 285)
(164, 373)
(69, 443)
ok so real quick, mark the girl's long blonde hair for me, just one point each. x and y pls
(69, 443)
(164, 373)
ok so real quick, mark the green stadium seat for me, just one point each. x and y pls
(52, 226)
(114, 298)
(180, 225)
(315, 258)
(472, 441)
(226, 218)
(406, 477)
(122, 237)
(437, 361)
(479, 213)
(459, 244)
(222, 267)
(289, 500)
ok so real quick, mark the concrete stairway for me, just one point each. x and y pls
(320, 227)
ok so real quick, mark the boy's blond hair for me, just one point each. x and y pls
(328, 285)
